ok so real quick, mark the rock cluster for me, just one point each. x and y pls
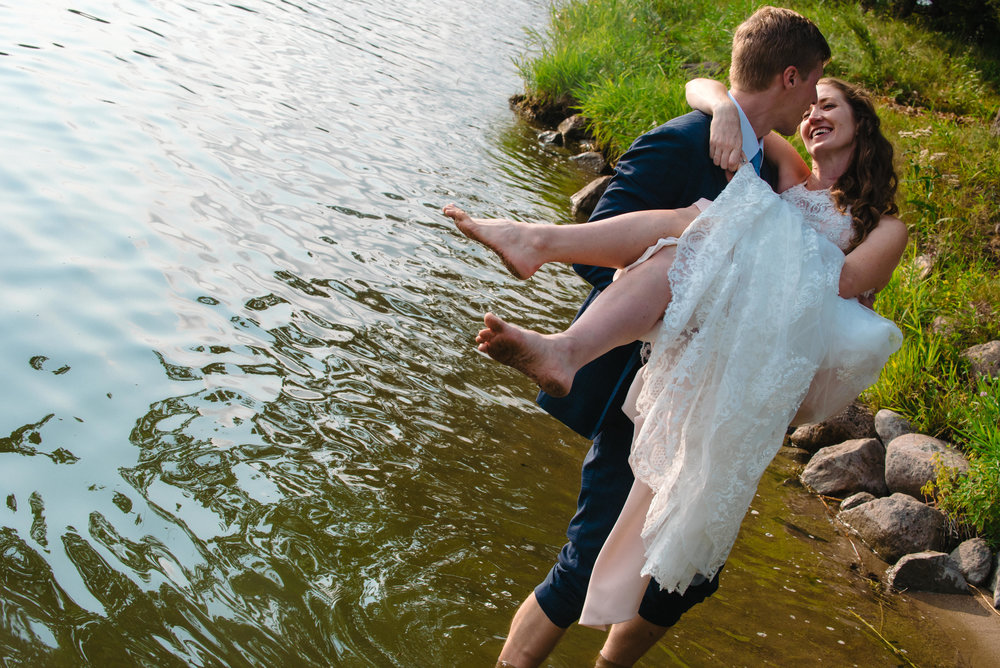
(573, 134)
(881, 469)
(570, 133)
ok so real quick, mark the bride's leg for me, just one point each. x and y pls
(616, 581)
(624, 312)
(613, 242)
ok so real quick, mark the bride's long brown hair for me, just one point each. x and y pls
(868, 188)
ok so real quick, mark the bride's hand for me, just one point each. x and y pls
(867, 300)
(726, 139)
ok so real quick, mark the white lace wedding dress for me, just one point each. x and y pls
(756, 338)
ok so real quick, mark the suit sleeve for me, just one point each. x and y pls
(666, 168)
(655, 173)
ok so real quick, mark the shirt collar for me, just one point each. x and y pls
(751, 145)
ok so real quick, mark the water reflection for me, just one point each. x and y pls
(240, 330)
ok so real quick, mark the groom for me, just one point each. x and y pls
(777, 57)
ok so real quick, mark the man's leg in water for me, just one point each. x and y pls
(614, 242)
(532, 636)
(659, 610)
(627, 310)
(605, 481)
(629, 641)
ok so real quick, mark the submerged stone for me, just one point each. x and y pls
(574, 128)
(974, 559)
(583, 201)
(855, 421)
(550, 137)
(927, 571)
(592, 160)
(896, 525)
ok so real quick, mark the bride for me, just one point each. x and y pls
(763, 322)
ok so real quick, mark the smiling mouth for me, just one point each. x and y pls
(820, 132)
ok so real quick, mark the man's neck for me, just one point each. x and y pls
(758, 108)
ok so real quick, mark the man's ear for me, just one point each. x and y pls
(791, 76)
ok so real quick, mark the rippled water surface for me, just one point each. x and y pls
(241, 421)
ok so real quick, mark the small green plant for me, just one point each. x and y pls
(974, 497)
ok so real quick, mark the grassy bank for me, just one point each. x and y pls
(623, 64)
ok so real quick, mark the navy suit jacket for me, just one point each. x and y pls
(666, 168)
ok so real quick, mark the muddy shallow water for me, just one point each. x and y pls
(798, 591)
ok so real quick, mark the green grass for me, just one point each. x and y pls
(973, 498)
(623, 64)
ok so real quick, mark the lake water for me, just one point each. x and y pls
(242, 419)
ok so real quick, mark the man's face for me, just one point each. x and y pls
(799, 97)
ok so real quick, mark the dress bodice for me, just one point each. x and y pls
(821, 214)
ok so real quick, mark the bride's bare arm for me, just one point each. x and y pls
(726, 140)
(792, 169)
(869, 267)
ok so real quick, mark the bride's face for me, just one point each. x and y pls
(829, 124)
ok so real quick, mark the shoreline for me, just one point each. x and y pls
(968, 623)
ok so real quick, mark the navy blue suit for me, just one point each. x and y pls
(666, 168)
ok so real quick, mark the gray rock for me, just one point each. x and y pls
(550, 137)
(984, 358)
(889, 425)
(856, 500)
(994, 581)
(855, 421)
(845, 469)
(925, 264)
(592, 160)
(896, 525)
(574, 128)
(583, 201)
(911, 461)
(944, 326)
(927, 571)
(995, 126)
(975, 560)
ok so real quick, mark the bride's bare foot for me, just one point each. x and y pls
(513, 242)
(538, 356)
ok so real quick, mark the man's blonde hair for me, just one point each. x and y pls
(769, 41)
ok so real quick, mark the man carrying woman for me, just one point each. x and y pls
(778, 56)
